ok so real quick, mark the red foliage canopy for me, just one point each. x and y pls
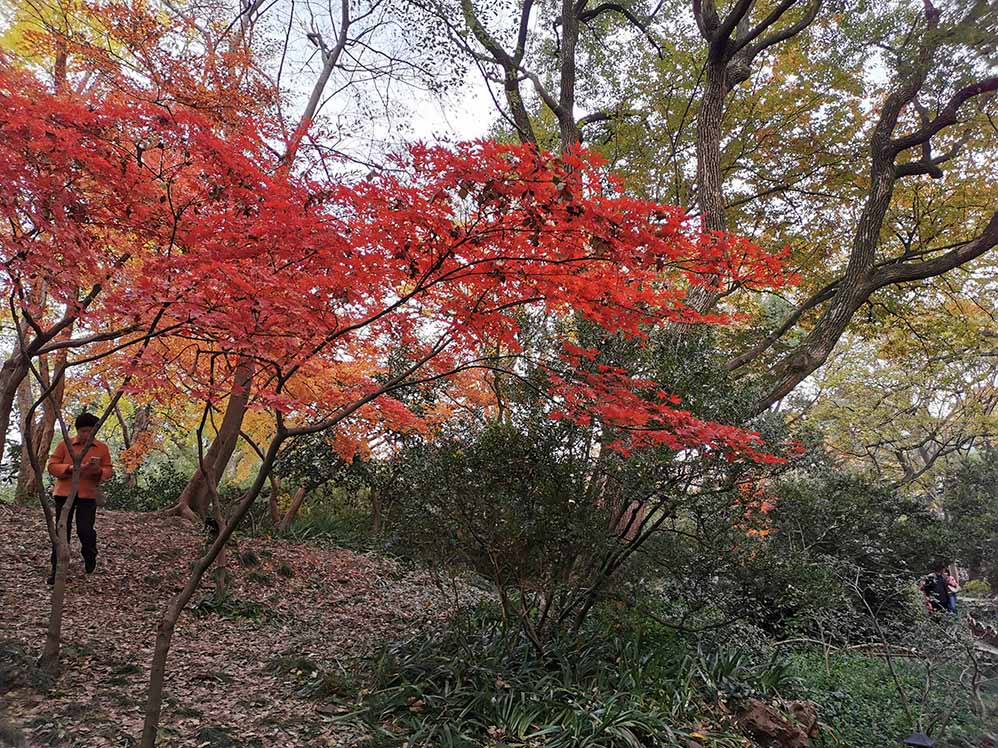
(194, 225)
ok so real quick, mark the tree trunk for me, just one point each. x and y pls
(710, 182)
(44, 430)
(12, 373)
(289, 516)
(53, 635)
(376, 512)
(275, 508)
(164, 636)
(710, 179)
(851, 294)
(140, 424)
(195, 500)
(567, 126)
(49, 660)
(25, 485)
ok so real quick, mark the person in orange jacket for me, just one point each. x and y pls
(95, 467)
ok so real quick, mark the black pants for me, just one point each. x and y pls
(85, 511)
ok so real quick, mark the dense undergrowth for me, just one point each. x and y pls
(631, 683)
(761, 623)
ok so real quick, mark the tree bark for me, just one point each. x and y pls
(567, 126)
(140, 424)
(12, 373)
(44, 431)
(195, 500)
(289, 516)
(376, 512)
(710, 182)
(168, 623)
(864, 275)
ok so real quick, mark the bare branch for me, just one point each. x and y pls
(946, 117)
(907, 272)
(638, 23)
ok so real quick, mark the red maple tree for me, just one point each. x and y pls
(200, 241)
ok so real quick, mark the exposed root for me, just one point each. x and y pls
(181, 510)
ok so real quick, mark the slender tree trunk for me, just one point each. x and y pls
(275, 508)
(289, 516)
(140, 424)
(42, 432)
(195, 500)
(25, 489)
(376, 512)
(12, 373)
(168, 623)
(53, 635)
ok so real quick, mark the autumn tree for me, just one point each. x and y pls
(319, 283)
(438, 258)
(351, 52)
(90, 53)
(787, 131)
(903, 408)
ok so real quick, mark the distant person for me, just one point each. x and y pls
(95, 467)
(952, 587)
(936, 590)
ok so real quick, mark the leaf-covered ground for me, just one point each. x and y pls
(260, 667)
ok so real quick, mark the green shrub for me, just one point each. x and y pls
(977, 587)
(509, 503)
(813, 581)
(311, 681)
(157, 488)
(223, 603)
(334, 517)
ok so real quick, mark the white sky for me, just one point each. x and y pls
(466, 117)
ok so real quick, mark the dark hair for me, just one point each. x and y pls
(941, 566)
(86, 421)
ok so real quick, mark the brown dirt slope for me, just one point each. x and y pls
(257, 668)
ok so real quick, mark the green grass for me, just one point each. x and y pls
(475, 684)
(858, 700)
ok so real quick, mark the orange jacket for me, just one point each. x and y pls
(61, 467)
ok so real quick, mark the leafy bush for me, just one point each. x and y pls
(221, 602)
(333, 515)
(156, 488)
(508, 502)
(312, 682)
(977, 587)
(968, 498)
(839, 551)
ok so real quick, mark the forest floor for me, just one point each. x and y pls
(259, 667)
